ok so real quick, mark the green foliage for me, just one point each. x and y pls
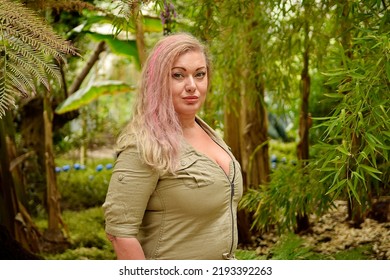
(354, 149)
(87, 228)
(359, 253)
(82, 253)
(124, 48)
(90, 93)
(87, 236)
(292, 191)
(26, 43)
(291, 247)
(248, 255)
(99, 123)
(82, 189)
(283, 150)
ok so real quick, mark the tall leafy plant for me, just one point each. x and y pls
(356, 141)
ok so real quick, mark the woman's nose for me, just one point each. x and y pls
(190, 86)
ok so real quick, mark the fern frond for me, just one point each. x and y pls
(25, 37)
(35, 69)
(73, 5)
(36, 32)
(35, 57)
(24, 79)
(19, 81)
(6, 100)
(26, 46)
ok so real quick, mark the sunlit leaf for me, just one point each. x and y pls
(370, 168)
(339, 184)
(353, 189)
(127, 48)
(343, 150)
(334, 95)
(90, 93)
(152, 24)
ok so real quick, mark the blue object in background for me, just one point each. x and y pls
(274, 158)
(82, 167)
(58, 169)
(66, 167)
(108, 166)
(273, 165)
(99, 167)
(77, 166)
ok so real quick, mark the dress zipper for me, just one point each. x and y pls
(230, 255)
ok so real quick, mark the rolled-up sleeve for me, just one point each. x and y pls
(131, 185)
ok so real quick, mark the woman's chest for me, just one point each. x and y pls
(199, 187)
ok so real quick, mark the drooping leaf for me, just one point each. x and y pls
(92, 92)
(370, 168)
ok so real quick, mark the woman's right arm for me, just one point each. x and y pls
(131, 185)
(127, 248)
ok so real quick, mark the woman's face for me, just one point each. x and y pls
(189, 83)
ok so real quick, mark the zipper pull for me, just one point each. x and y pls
(228, 256)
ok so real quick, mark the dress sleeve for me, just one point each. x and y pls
(132, 183)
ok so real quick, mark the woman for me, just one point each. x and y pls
(175, 186)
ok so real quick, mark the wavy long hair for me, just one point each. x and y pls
(154, 124)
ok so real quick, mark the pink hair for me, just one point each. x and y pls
(155, 124)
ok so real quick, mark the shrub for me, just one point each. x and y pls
(291, 247)
(292, 191)
(83, 188)
(87, 236)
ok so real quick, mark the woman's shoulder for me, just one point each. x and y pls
(215, 135)
(126, 142)
(210, 131)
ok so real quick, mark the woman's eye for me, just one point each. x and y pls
(200, 75)
(177, 76)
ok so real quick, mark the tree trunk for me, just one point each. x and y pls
(101, 47)
(9, 205)
(139, 31)
(254, 127)
(23, 235)
(303, 223)
(255, 148)
(233, 140)
(304, 117)
(53, 233)
(355, 210)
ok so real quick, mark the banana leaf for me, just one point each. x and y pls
(151, 24)
(127, 48)
(86, 95)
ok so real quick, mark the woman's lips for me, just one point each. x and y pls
(191, 99)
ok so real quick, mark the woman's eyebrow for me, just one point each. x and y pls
(184, 69)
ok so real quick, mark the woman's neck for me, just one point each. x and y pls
(188, 123)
